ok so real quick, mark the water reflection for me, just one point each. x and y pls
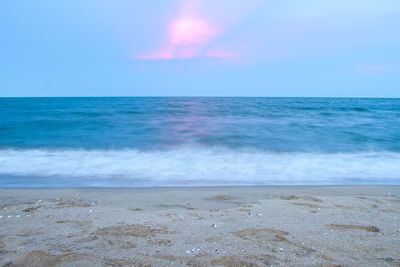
(186, 121)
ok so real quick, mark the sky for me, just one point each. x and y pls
(301, 48)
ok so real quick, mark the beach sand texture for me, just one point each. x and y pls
(216, 226)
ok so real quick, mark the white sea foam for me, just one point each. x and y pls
(201, 166)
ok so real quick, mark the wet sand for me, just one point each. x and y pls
(220, 226)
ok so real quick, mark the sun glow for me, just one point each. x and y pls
(192, 33)
(186, 31)
(187, 38)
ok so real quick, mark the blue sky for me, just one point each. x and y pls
(200, 48)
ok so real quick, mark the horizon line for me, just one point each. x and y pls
(182, 96)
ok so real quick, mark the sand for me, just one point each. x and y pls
(218, 226)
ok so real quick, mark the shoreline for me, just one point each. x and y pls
(201, 187)
(201, 226)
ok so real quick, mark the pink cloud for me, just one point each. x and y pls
(375, 69)
(187, 31)
(188, 37)
(196, 30)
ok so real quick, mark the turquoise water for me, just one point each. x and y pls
(127, 141)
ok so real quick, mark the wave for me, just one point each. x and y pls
(194, 167)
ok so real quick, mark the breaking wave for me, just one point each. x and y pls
(194, 167)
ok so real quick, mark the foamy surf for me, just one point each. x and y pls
(196, 166)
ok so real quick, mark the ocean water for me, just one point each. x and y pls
(144, 141)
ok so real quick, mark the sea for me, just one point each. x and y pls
(198, 141)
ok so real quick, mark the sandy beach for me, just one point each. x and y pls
(220, 226)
